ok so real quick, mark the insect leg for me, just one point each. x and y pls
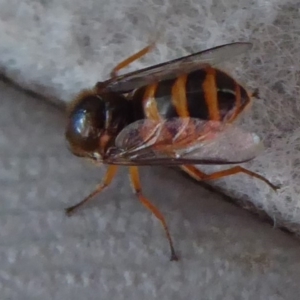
(131, 59)
(134, 177)
(198, 175)
(110, 173)
(193, 172)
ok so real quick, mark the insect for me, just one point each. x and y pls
(176, 113)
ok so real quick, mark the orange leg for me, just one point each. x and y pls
(200, 176)
(131, 59)
(134, 177)
(193, 172)
(110, 173)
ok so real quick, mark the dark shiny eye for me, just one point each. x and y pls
(86, 123)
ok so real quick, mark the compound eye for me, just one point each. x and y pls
(85, 124)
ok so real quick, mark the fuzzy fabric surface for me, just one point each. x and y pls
(114, 248)
(56, 48)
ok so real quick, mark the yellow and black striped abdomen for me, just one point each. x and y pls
(207, 94)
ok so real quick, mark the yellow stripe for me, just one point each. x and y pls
(239, 108)
(238, 103)
(211, 94)
(179, 99)
(149, 103)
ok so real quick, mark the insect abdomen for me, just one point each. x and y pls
(207, 94)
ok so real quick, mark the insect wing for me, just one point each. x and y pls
(184, 141)
(174, 68)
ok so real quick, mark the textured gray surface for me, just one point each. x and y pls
(114, 249)
(58, 47)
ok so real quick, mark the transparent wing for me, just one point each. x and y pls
(171, 69)
(183, 141)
